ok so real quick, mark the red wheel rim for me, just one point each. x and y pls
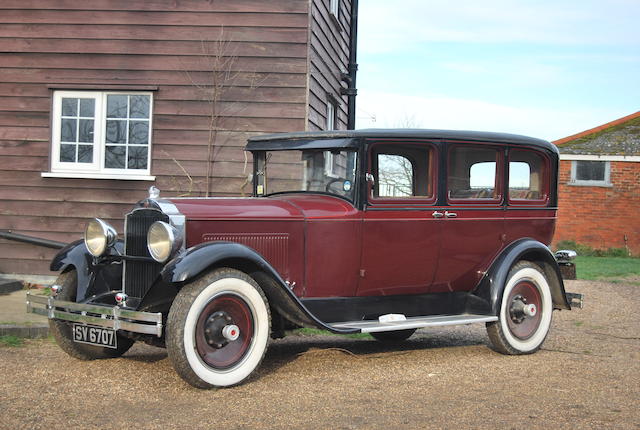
(231, 352)
(522, 326)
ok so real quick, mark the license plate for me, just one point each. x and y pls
(98, 336)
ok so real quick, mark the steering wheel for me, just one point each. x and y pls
(327, 187)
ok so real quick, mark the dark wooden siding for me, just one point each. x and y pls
(128, 44)
(329, 56)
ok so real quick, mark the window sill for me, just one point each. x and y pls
(80, 175)
(590, 184)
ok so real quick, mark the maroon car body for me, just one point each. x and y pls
(379, 231)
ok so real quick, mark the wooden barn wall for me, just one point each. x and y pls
(329, 55)
(113, 44)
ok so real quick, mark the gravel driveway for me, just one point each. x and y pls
(587, 376)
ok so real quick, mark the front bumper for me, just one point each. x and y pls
(112, 317)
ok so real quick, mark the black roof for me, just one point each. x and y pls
(352, 138)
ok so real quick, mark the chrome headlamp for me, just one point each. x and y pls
(163, 240)
(98, 236)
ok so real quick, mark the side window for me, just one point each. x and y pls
(473, 173)
(591, 173)
(527, 176)
(402, 171)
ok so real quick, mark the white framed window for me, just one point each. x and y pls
(591, 173)
(334, 7)
(331, 115)
(101, 134)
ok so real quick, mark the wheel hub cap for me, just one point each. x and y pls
(524, 305)
(224, 331)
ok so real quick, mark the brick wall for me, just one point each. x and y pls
(601, 217)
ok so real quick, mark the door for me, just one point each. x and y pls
(473, 227)
(401, 236)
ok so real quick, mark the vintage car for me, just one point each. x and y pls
(372, 231)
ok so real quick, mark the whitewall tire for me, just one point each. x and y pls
(218, 329)
(525, 312)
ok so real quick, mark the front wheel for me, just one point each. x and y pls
(62, 330)
(525, 313)
(218, 329)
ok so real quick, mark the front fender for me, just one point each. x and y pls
(200, 258)
(92, 278)
(493, 283)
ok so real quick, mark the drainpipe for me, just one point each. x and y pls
(350, 76)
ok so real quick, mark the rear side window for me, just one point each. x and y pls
(527, 176)
(473, 173)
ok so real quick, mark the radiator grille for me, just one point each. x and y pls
(139, 275)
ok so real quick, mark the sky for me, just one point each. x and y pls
(547, 69)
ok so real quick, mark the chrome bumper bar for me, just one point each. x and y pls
(104, 316)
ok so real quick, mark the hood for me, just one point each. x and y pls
(284, 206)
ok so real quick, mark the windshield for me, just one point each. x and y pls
(331, 171)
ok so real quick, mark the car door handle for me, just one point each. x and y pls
(437, 214)
(450, 214)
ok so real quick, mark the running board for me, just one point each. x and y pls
(371, 326)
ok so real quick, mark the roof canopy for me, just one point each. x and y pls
(352, 138)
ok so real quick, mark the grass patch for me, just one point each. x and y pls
(587, 251)
(594, 268)
(10, 340)
(315, 332)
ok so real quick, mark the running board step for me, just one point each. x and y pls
(412, 322)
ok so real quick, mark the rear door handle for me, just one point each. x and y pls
(437, 214)
(450, 214)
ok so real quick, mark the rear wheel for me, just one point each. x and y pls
(525, 313)
(393, 336)
(62, 330)
(218, 329)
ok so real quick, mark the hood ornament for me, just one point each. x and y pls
(154, 192)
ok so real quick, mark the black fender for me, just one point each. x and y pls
(201, 258)
(493, 283)
(95, 276)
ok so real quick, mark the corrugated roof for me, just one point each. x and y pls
(619, 137)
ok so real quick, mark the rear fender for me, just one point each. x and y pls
(493, 283)
(200, 259)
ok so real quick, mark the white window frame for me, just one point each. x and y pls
(330, 117)
(330, 124)
(334, 8)
(95, 169)
(604, 183)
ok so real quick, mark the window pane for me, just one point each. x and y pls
(68, 130)
(68, 153)
(114, 157)
(85, 133)
(87, 107)
(137, 157)
(139, 132)
(117, 106)
(519, 176)
(69, 107)
(590, 170)
(395, 176)
(85, 153)
(139, 107)
(527, 177)
(116, 132)
(472, 173)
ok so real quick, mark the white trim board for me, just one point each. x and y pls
(581, 157)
